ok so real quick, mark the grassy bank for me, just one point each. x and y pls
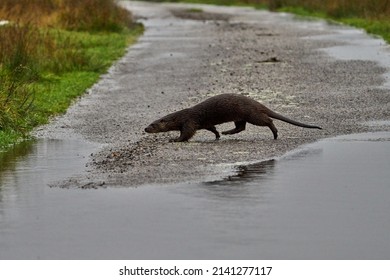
(51, 51)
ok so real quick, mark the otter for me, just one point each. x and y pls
(220, 109)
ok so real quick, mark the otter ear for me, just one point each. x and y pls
(161, 123)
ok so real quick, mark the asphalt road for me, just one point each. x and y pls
(186, 56)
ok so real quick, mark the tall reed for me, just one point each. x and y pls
(18, 70)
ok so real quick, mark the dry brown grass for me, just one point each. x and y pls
(101, 15)
(36, 12)
(69, 14)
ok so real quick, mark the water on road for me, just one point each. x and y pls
(328, 200)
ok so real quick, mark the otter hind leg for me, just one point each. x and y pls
(215, 131)
(264, 120)
(273, 129)
(240, 126)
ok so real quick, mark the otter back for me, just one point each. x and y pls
(220, 109)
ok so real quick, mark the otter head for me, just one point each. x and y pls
(170, 122)
(161, 125)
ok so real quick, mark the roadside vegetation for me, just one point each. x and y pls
(51, 51)
(371, 15)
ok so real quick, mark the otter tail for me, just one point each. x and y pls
(275, 115)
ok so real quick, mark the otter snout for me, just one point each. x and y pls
(149, 129)
(157, 126)
(154, 127)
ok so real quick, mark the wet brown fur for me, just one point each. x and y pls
(220, 109)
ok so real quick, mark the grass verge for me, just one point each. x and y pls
(46, 62)
(52, 91)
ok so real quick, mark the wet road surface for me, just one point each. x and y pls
(327, 200)
(292, 66)
(94, 185)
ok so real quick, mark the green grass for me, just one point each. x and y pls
(8, 137)
(54, 95)
(300, 11)
(51, 51)
(377, 27)
(52, 89)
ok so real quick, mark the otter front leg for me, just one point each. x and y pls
(240, 126)
(215, 131)
(186, 132)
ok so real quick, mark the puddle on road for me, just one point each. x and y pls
(358, 45)
(33, 164)
(328, 200)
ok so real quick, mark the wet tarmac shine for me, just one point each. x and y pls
(328, 200)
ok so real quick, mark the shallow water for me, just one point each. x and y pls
(356, 44)
(328, 200)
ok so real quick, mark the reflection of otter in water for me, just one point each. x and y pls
(245, 173)
(220, 109)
